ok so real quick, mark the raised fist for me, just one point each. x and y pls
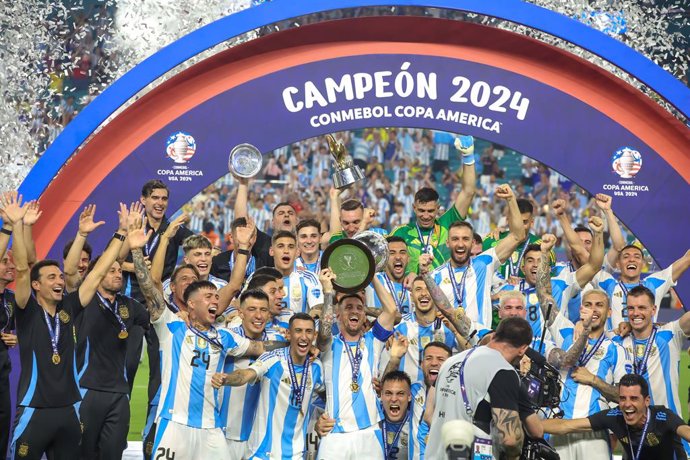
(547, 242)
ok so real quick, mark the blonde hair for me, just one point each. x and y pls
(507, 295)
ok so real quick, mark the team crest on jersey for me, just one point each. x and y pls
(533, 299)
(640, 349)
(599, 354)
(124, 312)
(425, 341)
(201, 342)
(148, 449)
(64, 316)
(445, 281)
(403, 439)
(23, 450)
(652, 440)
(296, 292)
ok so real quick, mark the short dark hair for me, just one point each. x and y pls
(196, 286)
(269, 271)
(352, 295)
(304, 223)
(282, 203)
(525, 206)
(634, 380)
(640, 290)
(425, 195)
(582, 228)
(179, 268)
(396, 376)
(35, 274)
(461, 224)
(351, 205)
(282, 234)
(87, 249)
(532, 248)
(152, 185)
(440, 345)
(237, 223)
(253, 294)
(477, 238)
(303, 316)
(516, 332)
(395, 239)
(259, 281)
(633, 247)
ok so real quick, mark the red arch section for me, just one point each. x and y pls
(360, 36)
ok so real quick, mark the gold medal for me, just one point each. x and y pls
(123, 335)
(354, 387)
(56, 359)
(124, 312)
(64, 316)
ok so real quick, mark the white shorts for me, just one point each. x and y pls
(237, 449)
(174, 440)
(358, 445)
(577, 446)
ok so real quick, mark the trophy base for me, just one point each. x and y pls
(343, 178)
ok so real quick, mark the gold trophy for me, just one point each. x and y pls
(346, 171)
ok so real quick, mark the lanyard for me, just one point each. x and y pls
(8, 310)
(251, 264)
(465, 399)
(398, 432)
(426, 245)
(240, 331)
(585, 356)
(355, 361)
(636, 455)
(54, 331)
(458, 290)
(301, 263)
(398, 297)
(640, 366)
(212, 331)
(298, 389)
(515, 268)
(112, 308)
(151, 246)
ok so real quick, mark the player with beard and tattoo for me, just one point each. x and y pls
(466, 281)
(393, 276)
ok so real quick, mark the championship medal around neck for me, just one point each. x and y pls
(56, 359)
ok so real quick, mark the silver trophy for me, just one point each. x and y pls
(245, 161)
(347, 172)
(377, 245)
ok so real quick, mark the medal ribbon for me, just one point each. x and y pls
(150, 246)
(458, 290)
(426, 245)
(251, 264)
(398, 297)
(112, 308)
(640, 366)
(241, 332)
(300, 262)
(463, 390)
(214, 340)
(6, 307)
(54, 331)
(398, 432)
(515, 269)
(636, 455)
(585, 356)
(298, 390)
(356, 359)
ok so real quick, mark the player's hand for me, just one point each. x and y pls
(559, 206)
(583, 376)
(409, 279)
(596, 224)
(314, 352)
(623, 329)
(578, 330)
(368, 218)
(33, 213)
(184, 316)
(603, 201)
(136, 210)
(425, 263)
(218, 380)
(326, 277)
(86, 222)
(244, 234)
(176, 223)
(548, 241)
(11, 207)
(376, 383)
(586, 317)
(513, 280)
(504, 192)
(324, 425)
(10, 340)
(399, 344)
(465, 144)
(137, 236)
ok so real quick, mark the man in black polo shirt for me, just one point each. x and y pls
(47, 421)
(7, 340)
(101, 351)
(645, 432)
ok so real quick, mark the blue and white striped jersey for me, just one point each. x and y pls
(401, 295)
(313, 268)
(354, 410)
(239, 403)
(471, 288)
(281, 421)
(410, 444)
(188, 362)
(302, 291)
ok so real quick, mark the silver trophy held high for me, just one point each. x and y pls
(245, 161)
(347, 172)
(377, 244)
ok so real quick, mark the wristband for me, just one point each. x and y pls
(468, 159)
(6, 231)
(244, 252)
(118, 236)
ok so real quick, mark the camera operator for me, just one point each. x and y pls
(488, 396)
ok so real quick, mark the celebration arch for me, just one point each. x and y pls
(380, 71)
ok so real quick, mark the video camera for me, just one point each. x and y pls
(542, 382)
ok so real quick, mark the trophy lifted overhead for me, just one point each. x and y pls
(346, 172)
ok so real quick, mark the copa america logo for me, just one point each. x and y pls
(180, 147)
(626, 162)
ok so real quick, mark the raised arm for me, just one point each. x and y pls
(577, 249)
(679, 266)
(603, 202)
(14, 212)
(586, 273)
(334, 226)
(86, 226)
(388, 309)
(566, 359)
(6, 231)
(137, 238)
(465, 144)
(507, 245)
(399, 344)
(136, 209)
(242, 197)
(230, 290)
(33, 213)
(158, 262)
(561, 426)
(544, 279)
(325, 333)
(506, 432)
(88, 287)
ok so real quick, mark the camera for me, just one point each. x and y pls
(542, 383)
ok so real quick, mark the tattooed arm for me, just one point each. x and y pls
(399, 344)
(566, 359)
(325, 333)
(137, 238)
(457, 317)
(236, 378)
(506, 433)
(584, 377)
(258, 348)
(544, 280)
